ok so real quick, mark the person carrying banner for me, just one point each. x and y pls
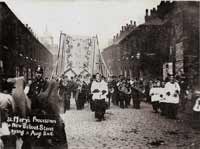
(65, 88)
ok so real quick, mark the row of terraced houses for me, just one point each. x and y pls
(20, 50)
(168, 41)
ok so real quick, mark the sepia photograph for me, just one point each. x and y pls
(99, 74)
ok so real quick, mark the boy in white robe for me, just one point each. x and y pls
(172, 90)
(155, 97)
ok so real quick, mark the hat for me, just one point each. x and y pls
(39, 69)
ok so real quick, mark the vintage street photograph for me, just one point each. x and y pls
(99, 74)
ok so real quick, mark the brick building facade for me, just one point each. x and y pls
(170, 34)
(20, 50)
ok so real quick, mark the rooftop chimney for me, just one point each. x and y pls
(131, 22)
(122, 28)
(167, 2)
(151, 11)
(147, 12)
(117, 35)
(154, 12)
(135, 23)
(127, 26)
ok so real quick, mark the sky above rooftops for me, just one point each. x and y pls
(80, 17)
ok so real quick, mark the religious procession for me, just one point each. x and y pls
(48, 98)
(66, 84)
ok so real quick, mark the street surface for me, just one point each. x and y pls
(127, 129)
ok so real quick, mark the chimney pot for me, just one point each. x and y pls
(127, 26)
(154, 12)
(147, 12)
(151, 12)
(167, 2)
(134, 23)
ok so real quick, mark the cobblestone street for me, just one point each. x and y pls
(127, 129)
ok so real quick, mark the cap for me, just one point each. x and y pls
(39, 69)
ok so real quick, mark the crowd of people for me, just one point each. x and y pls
(76, 87)
(166, 96)
(43, 96)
